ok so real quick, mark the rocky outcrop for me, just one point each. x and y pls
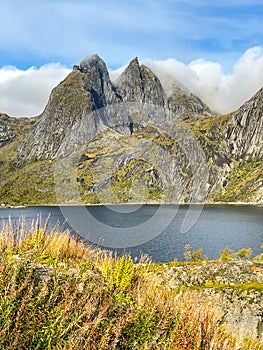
(241, 309)
(220, 284)
(211, 274)
(245, 129)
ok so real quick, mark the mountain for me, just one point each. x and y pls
(87, 89)
(131, 140)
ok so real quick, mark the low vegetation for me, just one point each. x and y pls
(57, 292)
(243, 183)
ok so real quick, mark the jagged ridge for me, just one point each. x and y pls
(89, 88)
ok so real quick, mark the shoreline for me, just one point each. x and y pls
(205, 204)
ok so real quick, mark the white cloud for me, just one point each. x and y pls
(221, 92)
(25, 92)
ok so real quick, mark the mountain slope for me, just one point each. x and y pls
(83, 91)
(245, 129)
(13, 128)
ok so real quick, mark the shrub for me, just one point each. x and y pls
(192, 256)
(244, 253)
(226, 254)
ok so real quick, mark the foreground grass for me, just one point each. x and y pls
(59, 293)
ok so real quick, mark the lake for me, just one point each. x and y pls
(159, 231)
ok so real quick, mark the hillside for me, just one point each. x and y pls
(128, 141)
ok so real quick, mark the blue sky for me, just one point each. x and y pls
(42, 32)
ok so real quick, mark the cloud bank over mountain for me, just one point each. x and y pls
(25, 92)
(223, 93)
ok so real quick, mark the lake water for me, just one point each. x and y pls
(159, 231)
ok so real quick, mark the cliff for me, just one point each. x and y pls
(244, 132)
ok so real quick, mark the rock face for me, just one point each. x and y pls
(182, 102)
(245, 129)
(239, 175)
(6, 131)
(97, 81)
(139, 84)
(88, 88)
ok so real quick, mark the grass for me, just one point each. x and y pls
(242, 286)
(57, 292)
(33, 184)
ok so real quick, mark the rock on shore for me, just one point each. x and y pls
(220, 285)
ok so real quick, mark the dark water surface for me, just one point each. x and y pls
(160, 231)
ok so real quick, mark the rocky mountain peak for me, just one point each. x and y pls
(139, 84)
(97, 80)
(90, 61)
(95, 69)
(134, 63)
(129, 84)
(126, 143)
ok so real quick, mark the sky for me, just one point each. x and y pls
(214, 48)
